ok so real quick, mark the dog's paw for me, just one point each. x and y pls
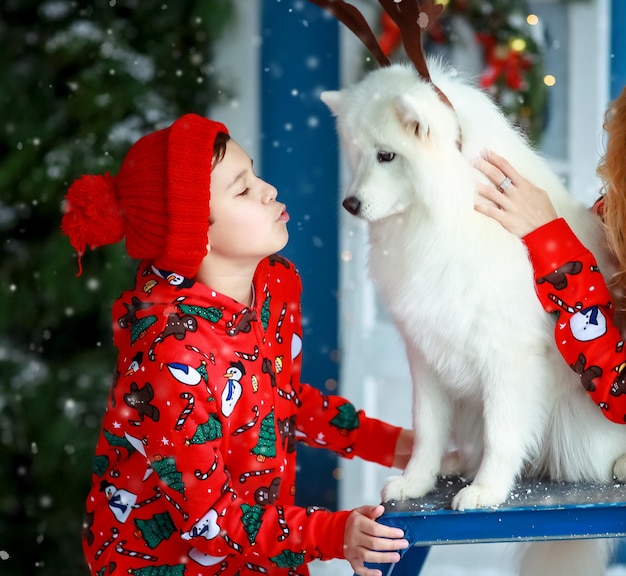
(406, 487)
(619, 469)
(476, 496)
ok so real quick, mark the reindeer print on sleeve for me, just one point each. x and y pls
(558, 278)
(585, 331)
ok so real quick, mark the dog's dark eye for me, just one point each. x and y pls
(385, 156)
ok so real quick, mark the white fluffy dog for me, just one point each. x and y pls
(460, 290)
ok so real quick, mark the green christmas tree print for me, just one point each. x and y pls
(251, 519)
(120, 441)
(265, 312)
(211, 430)
(100, 465)
(166, 471)
(138, 329)
(347, 419)
(156, 529)
(288, 559)
(164, 570)
(266, 446)
(203, 372)
(211, 313)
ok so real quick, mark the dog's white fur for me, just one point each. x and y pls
(460, 290)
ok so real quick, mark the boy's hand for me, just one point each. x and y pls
(404, 449)
(365, 540)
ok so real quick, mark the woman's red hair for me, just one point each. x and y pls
(612, 171)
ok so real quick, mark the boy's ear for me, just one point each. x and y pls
(334, 100)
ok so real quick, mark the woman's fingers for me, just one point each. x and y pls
(503, 166)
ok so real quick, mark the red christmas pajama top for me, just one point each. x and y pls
(568, 281)
(194, 472)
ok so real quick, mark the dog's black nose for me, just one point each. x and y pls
(352, 205)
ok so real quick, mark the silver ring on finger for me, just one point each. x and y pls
(504, 184)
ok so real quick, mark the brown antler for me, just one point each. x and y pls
(354, 20)
(412, 18)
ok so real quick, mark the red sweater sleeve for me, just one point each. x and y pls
(569, 283)
(332, 422)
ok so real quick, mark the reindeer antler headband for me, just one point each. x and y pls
(412, 18)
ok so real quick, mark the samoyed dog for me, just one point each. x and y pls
(460, 290)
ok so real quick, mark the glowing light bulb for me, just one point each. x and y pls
(549, 80)
(518, 44)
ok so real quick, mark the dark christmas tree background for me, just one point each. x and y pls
(81, 82)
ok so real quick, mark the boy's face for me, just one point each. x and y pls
(247, 223)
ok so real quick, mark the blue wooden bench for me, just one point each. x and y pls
(534, 511)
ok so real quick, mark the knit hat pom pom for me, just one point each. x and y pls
(91, 213)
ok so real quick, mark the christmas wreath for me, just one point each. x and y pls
(510, 45)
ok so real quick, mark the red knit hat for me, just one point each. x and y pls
(159, 200)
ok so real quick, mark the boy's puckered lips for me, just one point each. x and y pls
(284, 215)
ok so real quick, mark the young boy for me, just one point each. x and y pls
(194, 472)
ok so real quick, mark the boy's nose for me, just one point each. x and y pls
(270, 193)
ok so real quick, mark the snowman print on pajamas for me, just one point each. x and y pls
(232, 390)
(588, 324)
(121, 501)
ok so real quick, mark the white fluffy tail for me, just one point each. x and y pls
(566, 557)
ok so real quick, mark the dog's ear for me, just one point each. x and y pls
(334, 100)
(408, 111)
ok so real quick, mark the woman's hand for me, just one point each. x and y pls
(365, 540)
(516, 203)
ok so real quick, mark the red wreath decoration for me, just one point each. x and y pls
(502, 62)
(506, 71)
